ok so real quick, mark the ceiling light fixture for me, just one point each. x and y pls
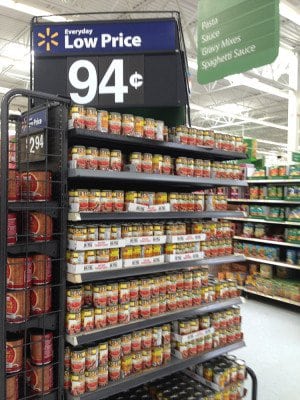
(34, 11)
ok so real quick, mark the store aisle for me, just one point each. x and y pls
(272, 335)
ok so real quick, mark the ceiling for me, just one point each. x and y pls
(254, 104)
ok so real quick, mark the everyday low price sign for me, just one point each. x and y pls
(235, 36)
(132, 63)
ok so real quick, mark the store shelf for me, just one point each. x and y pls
(47, 321)
(274, 181)
(134, 143)
(265, 221)
(277, 298)
(145, 216)
(265, 241)
(264, 201)
(50, 248)
(151, 269)
(275, 263)
(46, 206)
(135, 380)
(134, 177)
(104, 333)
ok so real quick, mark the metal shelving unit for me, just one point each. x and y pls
(140, 178)
(264, 201)
(275, 263)
(276, 298)
(151, 269)
(264, 221)
(105, 333)
(273, 181)
(175, 149)
(138, 216)
(45, 126)
(173, 366)
(265, 241)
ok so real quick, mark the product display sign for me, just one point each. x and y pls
(235, 36)
(32, 137)
(295, 156)
(111, 64)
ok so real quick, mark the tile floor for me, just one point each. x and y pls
(272, 335)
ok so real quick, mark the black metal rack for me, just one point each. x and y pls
(48, 152)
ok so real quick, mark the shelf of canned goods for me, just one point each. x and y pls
(124, 236)
(268, 236)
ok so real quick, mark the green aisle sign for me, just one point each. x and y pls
(295, 157)
(235, 36)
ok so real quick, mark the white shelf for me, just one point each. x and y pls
(264, 201)
(264, 241)
(271, 181)
(265, 221)
(281, 299)
(275, 263)
(186, 238)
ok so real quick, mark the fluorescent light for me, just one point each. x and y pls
(289, 12)
(232, 108)
(24, 8)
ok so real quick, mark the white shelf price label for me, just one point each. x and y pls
(106, 79)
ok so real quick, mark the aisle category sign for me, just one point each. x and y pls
(235, 36)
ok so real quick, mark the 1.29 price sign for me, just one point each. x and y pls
(109, 80)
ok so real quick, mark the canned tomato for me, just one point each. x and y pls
(159, 130)
(91, 381)
(147, 163)
(106, 201)
(13, 186)
(99, 296)
(114, 349)
(90, 257)
(102, 121)
(91, 118)
(145, 308)
(167, 165)
(11, 228)
(154, 306)
(114, 254)
(112, 294)
(14, 353)
(73, 323)
(112, 315)
(126, 365)
(40, 299)
(138, 126)
(78, 361)
(77, 384)
(104, 159)
(157, 164)
(157, 356)
(67, 357)
(91, 358)
(74, 299)
(149, 128)
(116, 160)
(134, 310)
(76, 117)
(36, 185)
(87, 319)
(102, 256)
(137, 362)
(40, 227)
(77, 154)
(100, 318)
(136, 161)
(17, 306)
(136, 341)
(41, 378)
(94, 199)
(114, 123)
(103, 353)
(114, 370)
(127, 125)
(123, 313)
(92, 158)
(18, 272)
(41, 347)
(103, 375)
(181, 166)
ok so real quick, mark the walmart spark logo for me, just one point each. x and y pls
(47, 39)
